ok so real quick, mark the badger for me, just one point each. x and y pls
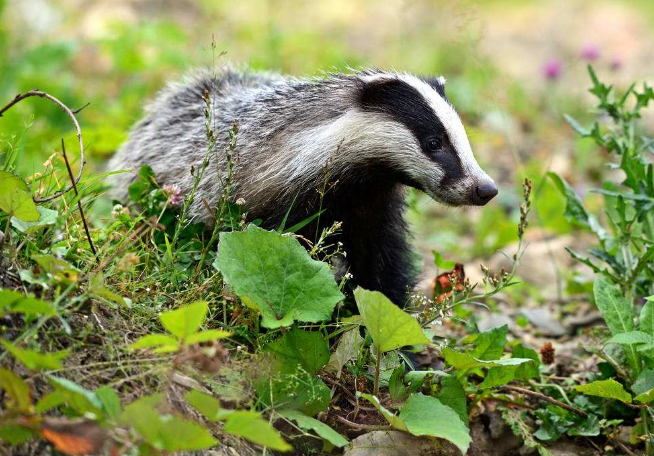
(373, 132)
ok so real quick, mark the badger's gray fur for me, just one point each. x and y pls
(373, 132)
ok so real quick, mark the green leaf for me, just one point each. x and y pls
(526, 371)
(575, 125)
(278, 275)
(46, 217)
(388, 325)
(614, 307)
(110, 402)
(647, 317)
(453, 395)
(311, 424)
(393, 420)
(13, 301)
(77, 397)
(631, 338)
(609, 389)
(16, 390)
(206, 404)
(498, 376)
(646, 397)
(98, 288)
(490, 344)
(348, 348)
(252, 427)
(644, 382)
(15, 434)
(164, 342)
(16, 198)
(50, 400)
(463, 361)
(57, 268)
(294, 389)
(165, 432)
(574, 209)
(307, 349)
(426, 415)
(186, 320)
(441, 263)
(34, 360)
(207, 336)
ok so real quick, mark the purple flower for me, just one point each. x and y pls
(590, 52)
(552, 69)
(174, 194)
(616, 63)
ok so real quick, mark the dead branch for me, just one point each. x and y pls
(37, 93)
(363, 427)
(542, 397)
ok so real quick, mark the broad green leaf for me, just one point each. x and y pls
(46, 217)
(207, 336)
(490, 344)
(631, 338)
(647, 317)
(453, 395)
(57, 268)
(392, 419)
(16, 198)
(77, 397)
(163, 342)
(646, 397)
(252, 427)
(50, 400)
(441, 263)
(98, 288)
(14, 434)
(348, 348)
(15, 389)
(526, 371)
(614, 307)
(644, 382)
(278, 275)
(498, 376)
(34, 360)
(110, 402)
(463, 361)
(609, 389)
(13, 301)
(306, 349)
(294, 389)
(388, 325)
(320, 428)
(574, 209)
(186, 320)
(426, 415)
(165, 432)
(206, 404)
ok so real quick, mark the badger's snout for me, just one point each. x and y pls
(483, 192)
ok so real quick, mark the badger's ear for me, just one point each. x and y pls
(438, 84)
(382, 93)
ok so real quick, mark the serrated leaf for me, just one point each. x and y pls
(526, 371)
(206, 404)
(163, 342)
(646, 397)
(631, 338)
(348, 348)
(46, 217)
(498, 376)
(453, 395)
(278, 275)
(207, 336)
(34, 360)
(311, 424)
(186, 320)
(296, 390)
(609, 389)
(15, 389)
(426, 415)
(300, 348)
(490, 344)
(16, 198)
(388, 325)
(614, 307)
(251, 426)
(462, 361)
(574, 209)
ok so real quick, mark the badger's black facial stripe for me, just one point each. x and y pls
(406, 105)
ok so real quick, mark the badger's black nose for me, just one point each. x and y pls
(483, 193)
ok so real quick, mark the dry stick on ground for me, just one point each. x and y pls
(542, 397)
(363, 427)
(79, 201)
(37, 93)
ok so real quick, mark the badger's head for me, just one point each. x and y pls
(419, 134)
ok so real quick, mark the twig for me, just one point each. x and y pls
(79, 200)
(37, 93)
(363, 427)
(542, 397)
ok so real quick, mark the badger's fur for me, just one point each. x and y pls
(372, 132)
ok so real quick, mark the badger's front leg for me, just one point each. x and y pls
(375, 241)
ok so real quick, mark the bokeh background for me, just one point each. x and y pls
(514, 67)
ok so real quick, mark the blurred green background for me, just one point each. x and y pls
(513, 68)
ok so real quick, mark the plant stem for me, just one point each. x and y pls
(377, 369)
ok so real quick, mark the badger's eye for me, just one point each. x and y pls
(434, 145)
